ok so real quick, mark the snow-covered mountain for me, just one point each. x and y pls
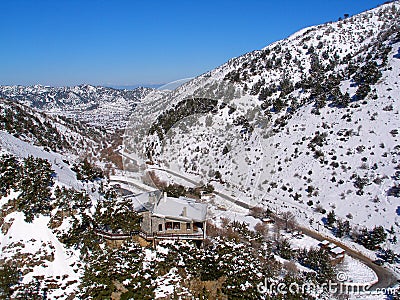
(40, 157)
(309, 123)
(94, 104)
(56, 133)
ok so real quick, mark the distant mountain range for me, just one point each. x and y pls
(96, 105)
(135, 86)
(306, 128)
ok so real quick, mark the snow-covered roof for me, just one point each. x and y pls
(145, 201)
(180, 208)
(325, 243)
(332, 246)
(337, 250)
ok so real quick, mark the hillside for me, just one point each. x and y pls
(71, 138)
(307, 124)
(302, 135)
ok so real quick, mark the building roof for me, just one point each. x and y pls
(332, 246)
(325, 243)
(337, 250)
(145, 201)
(180, 208)
(159, 204)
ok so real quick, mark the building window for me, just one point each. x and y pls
(177, 225)
(168, 225)
(188, 226)
(159, 227)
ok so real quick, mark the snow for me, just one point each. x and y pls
(255, 161)
(100, 106)
(325, 243)
(357, 272)
(13, 194)
(166, 285)
(337, 250)
(23, 149)
(371, 125)
(37, 239)
(182, 208)
(301, 242)
(130, 181)
(239, 217)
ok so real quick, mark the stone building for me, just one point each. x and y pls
(166, 217)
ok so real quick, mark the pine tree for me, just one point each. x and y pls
(342, 228)
(330, 218)
(284, 249)
(35, 185)
(124, 266)
(378, 235)
(10, 173)
(319, 261)
(8, 279)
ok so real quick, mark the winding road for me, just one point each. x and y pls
(385, 277)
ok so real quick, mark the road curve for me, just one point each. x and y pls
(385, 277)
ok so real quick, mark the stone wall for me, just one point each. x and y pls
(145, 225)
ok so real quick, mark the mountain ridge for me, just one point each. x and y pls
(312, 101)
(300, 131)
(96, 105)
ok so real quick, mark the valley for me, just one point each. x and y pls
(288, 146)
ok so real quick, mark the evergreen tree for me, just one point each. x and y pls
(342, 228)
(8, 279)
(116, 215)
(35, 186)
(109, 267)
(10, 173)
(284, 249)
(319, 261)
(330, 218)
(86, 171)
(371, 239)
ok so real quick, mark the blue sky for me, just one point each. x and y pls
(127, 42)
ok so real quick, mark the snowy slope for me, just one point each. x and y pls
(305, 124)
(15, 146)
(276, 134)
(35, 248)
(58, 133)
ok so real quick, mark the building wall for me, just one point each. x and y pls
(150, 224)
(145, 225)
(156, 221)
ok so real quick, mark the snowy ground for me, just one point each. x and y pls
(23, 149)
(357, 272)
(36, 247)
